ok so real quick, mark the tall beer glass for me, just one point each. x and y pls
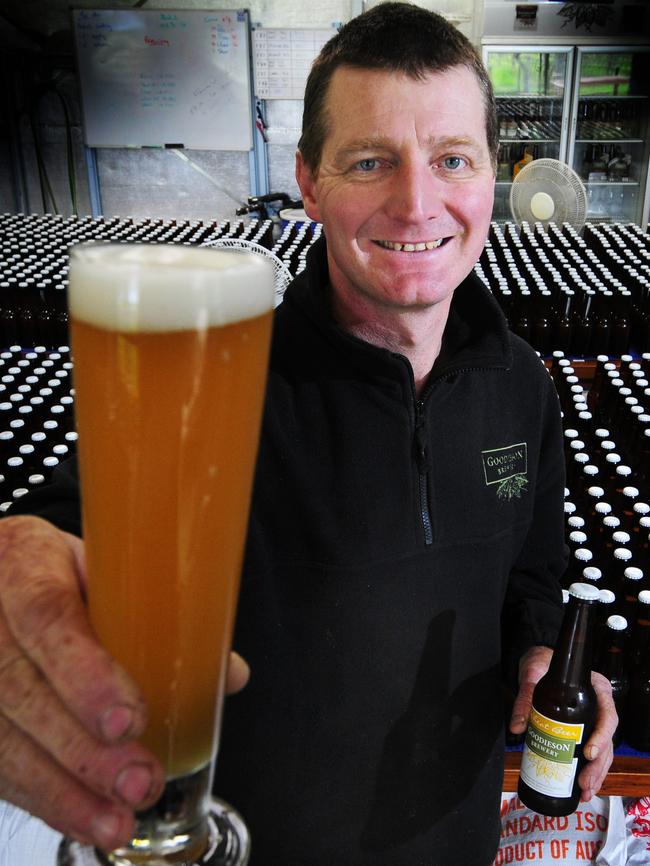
(170, 348)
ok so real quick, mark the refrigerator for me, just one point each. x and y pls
(586, 105)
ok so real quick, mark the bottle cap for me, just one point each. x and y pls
(606, 596)
(623, 470)
(633, 573)
(577, 536)
(611, 521)
(584, 591)
(618, 623)
(622, 553)
(630, 492)
(576, 445)
(607, 445)
(645, 522)
(601, 433)
(570, 433)
(15, 461)
(576, 522)
(18, 492)
(621, 537)
(613, 458)
(595, 491)
(569, 507)
(583, 554)
(602, 508)
(644, 596)
(591, 572)
(37, 478)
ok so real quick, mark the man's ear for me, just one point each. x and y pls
(307, 184)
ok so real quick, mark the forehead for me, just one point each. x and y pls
(373, 103)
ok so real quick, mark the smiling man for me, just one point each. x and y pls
(406, 535)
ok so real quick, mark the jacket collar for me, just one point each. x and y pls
(475, 336)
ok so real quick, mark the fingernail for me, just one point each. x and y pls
(105, 829)
(592, 752)
(133, 785)
(116, 722)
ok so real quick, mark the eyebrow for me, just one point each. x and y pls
(381, 143)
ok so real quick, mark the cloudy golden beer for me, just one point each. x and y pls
(170, 348)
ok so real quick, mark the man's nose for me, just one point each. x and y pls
(416, 194)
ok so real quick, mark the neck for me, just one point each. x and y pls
(415, 333)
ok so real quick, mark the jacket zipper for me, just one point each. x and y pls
(422, 461)
(421, 455)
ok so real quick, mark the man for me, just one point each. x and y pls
(390, 575)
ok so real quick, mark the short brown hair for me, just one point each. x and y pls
(396, 37)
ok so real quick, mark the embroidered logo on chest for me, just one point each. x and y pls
(507, 468)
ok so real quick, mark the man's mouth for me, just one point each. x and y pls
(411, 248)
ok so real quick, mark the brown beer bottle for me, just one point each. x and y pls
(563, 714)
(610, 662)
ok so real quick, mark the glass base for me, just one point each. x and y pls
(228, 844)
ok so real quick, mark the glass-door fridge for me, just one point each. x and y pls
(610, 122)
(533, 86)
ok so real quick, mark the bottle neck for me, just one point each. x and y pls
(573, 656)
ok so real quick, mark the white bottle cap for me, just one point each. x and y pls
(644, 596)
(621, 537)
(622, 553)
(584, 591)
(618, 623)
(591, 572)
(602, 508)
(578, 537)
(633, 573)
(606, 596)
(583, 554)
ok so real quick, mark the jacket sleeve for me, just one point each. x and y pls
(532, 609)
(58, 501)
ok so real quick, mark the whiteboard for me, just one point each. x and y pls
(165, 78)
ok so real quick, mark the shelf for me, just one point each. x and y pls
(628, 776)
(610, 182)
(602, 97)
(529, 141)
(609, 141)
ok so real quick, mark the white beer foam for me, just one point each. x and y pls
(162, 287)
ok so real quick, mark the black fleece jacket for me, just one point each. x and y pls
(403, 551)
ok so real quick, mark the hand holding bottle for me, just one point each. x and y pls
(598, 749)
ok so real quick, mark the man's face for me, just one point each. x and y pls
(405, 163)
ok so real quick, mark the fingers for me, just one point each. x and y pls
(34, 782)
(46, 616)
(599, 749)
(237, 675)
(532, 667)
(67, 712)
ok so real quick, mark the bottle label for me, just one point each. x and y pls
(549, 761)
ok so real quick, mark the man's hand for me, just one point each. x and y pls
(598, 749)
(69, 716)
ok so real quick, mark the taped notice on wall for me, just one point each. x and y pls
(595, 833)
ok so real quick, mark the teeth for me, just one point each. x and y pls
(410, 248)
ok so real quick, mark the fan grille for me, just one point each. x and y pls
(281, 274)
(555, 179)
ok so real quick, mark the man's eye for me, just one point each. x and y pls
(454, 162)
(367, 164)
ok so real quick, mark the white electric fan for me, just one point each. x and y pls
(547, 190)
(282, 274)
